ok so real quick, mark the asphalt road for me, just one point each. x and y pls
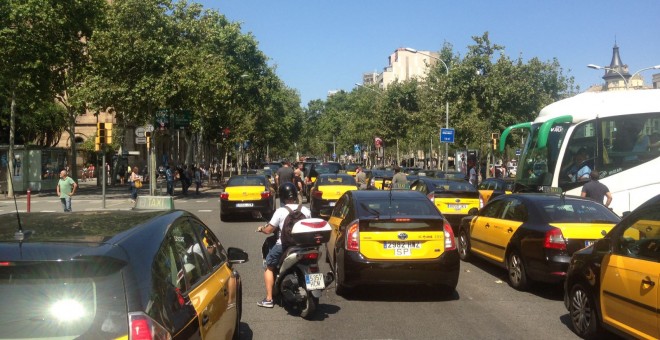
(483, 306)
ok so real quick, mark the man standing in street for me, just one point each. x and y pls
(400, 180)
(66, 187)
(596, 190)
(284, 175)
(169, 177)
(361, 178)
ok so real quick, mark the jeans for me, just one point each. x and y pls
(66, 204)
(170, 188)
(273, 257)
(134, 191)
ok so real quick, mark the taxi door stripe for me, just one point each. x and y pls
(487, 243)
(632, 302)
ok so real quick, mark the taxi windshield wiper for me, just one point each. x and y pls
(373, 211)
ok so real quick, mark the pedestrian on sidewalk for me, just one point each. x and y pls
(198, 180)
(66, 187)
(136, 183)
(169, 177)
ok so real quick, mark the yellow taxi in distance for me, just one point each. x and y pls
(613, 284)
(492, 187)
(391, 237)
(315, 169)
(327, 189)
(379, 179)
(455, 199)
(351, 168)
(246, 194)
(533, 235)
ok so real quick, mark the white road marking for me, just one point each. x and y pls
(206, 210)
(48, 211)
(201, 201)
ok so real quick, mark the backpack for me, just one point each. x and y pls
(290, 220)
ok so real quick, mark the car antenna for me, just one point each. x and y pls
(19, 235)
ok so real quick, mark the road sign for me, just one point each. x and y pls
(518, 152)
(139, 132)
(447, 135)
(141, 140)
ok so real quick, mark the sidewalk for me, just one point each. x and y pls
(90, 188)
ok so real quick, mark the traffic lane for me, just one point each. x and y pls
(483, 305)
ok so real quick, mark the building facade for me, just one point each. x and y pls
(402, 65)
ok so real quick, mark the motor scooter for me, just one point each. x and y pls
(298, 282)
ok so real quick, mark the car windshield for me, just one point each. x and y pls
(397, 207)
(351, 167)
(63, 300)
(453, 186)
(569, 211)
(330, 168)
(337, 180)
(246, 181)
(382, 173)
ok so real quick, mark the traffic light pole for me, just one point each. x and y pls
(103, 180)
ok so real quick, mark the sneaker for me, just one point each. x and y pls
(265, 303)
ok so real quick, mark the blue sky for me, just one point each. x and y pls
(318, 46)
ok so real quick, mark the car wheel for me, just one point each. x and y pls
(340, 288)
(582, 310)
(464, 245)
(517, 273)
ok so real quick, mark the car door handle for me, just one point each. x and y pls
(647, 281)
(205, 318)
(487, 225)
(510, 230)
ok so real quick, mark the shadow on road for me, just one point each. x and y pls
(401, 293)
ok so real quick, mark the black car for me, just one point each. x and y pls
(391, 237)
(117, 274)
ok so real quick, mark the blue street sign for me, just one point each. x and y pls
(517, 152)
(447, 135)
(356, 148)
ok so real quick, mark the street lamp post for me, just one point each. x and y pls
(446, 160)
(625, 81)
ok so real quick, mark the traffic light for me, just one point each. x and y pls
(148, 135)
(100, 133)
(496, 141)
(108, 133)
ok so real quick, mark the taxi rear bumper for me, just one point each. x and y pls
(229, 207)
(359, 270)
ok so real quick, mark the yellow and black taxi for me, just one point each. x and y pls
(117, 275)
(391, 237)
(247, 194)
(379, 179)
(613, 285)
(351, 168)
(316, 169)
(455, 199)
(493, 187)
(533, 235)
(327, 189)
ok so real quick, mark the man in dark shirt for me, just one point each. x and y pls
(284, 175)
(596, 190)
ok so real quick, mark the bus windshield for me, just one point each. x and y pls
(538, 160)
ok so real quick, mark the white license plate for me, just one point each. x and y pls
(314, 281)
(457, 206)
(332, 204)
(402, 252)
(402, 245)
(588, 243)
(244, 205)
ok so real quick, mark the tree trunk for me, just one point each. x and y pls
(10, 155)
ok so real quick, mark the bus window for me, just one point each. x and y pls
(579, 158)
(629, 141)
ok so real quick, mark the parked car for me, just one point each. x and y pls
(390, 237)
(493, 187)
(117, 275)
(533, 235)
(247, 194)
(327, 189)
(351, 167)
(613, 284)
(455, 199)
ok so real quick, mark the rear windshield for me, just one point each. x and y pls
(453, 186)
(246, 181)
(578, 212)
(337, 180)
(63, 300)
(327, 168)
(401, 224)
(398, 207)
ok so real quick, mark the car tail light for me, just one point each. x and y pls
(353, 237)
(265, 195)
(224, 196)
(430, 196)
(310, 256)
(143, 327)
(554, 239)
(450, 242)
(314, 224)
(317, 194)
(481, 201)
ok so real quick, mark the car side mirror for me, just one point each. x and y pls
(325, 213)
(237, 255)
(603, 245)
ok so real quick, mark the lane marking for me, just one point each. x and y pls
(201, 201)
(205, 210)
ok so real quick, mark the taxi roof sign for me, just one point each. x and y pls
(154, 203)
